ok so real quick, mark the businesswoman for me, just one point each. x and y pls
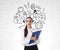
(27, 33)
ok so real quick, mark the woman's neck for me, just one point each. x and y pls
(29, 27)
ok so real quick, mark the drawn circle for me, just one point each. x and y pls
(29, 11)
(38, 25)
(20, 9)
(32, 6)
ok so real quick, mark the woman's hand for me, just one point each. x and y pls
(33, 38)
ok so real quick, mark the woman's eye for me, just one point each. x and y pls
(30, 21)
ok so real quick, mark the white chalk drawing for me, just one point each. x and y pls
(33, 11)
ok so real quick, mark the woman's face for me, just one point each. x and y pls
(28, 21)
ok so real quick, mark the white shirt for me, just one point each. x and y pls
(25, 41)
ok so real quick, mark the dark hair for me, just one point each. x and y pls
(26, 30)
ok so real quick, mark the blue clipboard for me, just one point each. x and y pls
(37, 33)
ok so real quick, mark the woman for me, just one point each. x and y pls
(28, 35)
